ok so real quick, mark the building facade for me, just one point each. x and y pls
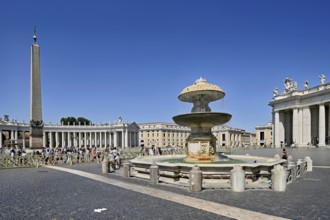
(301, 117)
(117, 134)
(162, 134)
(264, 134)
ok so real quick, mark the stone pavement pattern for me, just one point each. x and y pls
(48, 194)
(45, 194)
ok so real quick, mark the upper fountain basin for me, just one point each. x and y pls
(201, 88)
(202, 119)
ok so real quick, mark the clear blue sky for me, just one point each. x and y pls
(105, 59)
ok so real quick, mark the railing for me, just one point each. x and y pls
(37, 160)
(17, 162)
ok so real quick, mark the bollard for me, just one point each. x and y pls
(293, 167)
(300, 164)
(237, 179)
(276, 156)
(309, 162)
(126, 169)
(112, 166)
(105, 165)
(279, 178)
(195, 179)
(154, 175)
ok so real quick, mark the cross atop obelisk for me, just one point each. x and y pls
(36, 123)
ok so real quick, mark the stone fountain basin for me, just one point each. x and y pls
(257, 170)
(204, 119)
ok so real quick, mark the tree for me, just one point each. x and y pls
(75, 121)
(83, 121)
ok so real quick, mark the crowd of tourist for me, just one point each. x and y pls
(64, 154)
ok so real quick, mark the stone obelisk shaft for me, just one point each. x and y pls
(36, 123)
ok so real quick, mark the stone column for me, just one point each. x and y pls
(300, 123)
(95, 139)
(240, 140)
(110, 139)
(321, 125)
(306, 126)
(23, 136)
(130, 140)
(51, 140)
(12, 135)
(115, 139)
(101, 142)
(63, 139)
(16, 136)
(277, 130)
(328, 125)
(80, 139)
(105, 139)
(69, 139)
(90, 139)
(0, 138)
(74, 139)
(44, 139)
(125, 138)
(282, 127)
(134, 138)
(57, 139)
(85, 139)
(295, 126)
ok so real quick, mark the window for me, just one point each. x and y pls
(262, 135)
(223, 137)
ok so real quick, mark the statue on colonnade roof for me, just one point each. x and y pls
(289, 85)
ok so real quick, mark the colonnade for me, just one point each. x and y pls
(116, 135)
(122, 139)
(13, 137)
(302, 126)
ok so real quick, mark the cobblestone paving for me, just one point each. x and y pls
(46, 194)
(42, 193)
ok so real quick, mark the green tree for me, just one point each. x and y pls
(75, 121)
(83, 121)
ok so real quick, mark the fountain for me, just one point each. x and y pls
(201, 149)
(201, 143)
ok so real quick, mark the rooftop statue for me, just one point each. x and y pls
(306, 85)
(289, 85)
(275, 92)
(322, 79)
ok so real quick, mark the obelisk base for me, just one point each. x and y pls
(36, 143)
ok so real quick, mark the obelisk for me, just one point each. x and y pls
(36, 123)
